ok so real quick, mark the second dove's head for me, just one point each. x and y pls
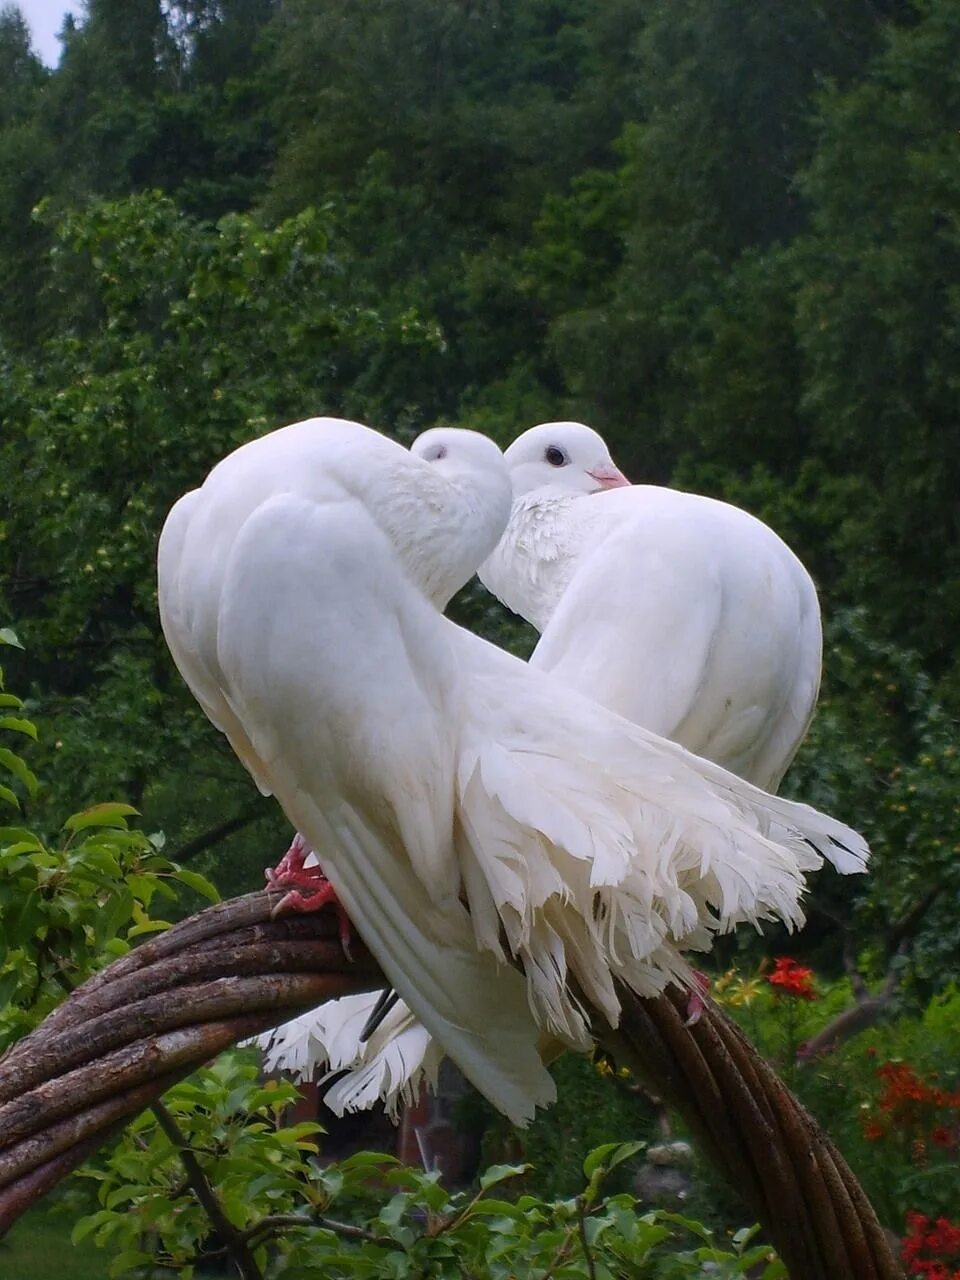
(562, 457)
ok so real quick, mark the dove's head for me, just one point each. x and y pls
(470, 481)
(563, 458)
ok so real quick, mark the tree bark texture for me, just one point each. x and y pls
(149, 1019)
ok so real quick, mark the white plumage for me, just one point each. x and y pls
(682, 613)
(399, 1055)
(469, 812)
(297, 591)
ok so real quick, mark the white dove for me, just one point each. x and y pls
(473, 815)
(682, 613)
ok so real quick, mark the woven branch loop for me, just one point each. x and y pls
(121, 1040)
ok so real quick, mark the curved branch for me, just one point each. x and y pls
(123, 1038)
(757, 1135)
(119, 1041)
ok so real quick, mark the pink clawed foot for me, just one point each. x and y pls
(696, 1003)
(309, 889)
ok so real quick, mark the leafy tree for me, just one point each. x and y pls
(884, 750)
(878, 323)
(99, 108)
(71, 903)
(177, 341)
(22, 75)
(707, 174)
(26, 162)
(331, 1220)
(438, 129)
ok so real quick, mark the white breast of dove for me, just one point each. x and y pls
(685, 614)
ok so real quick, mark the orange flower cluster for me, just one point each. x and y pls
(792, 979)
(939, 1241)
(907, 1102)
(917, 1113)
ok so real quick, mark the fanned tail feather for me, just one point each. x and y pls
(397, 1060)
(605, 849)
(326, 1038)
(390, 1067)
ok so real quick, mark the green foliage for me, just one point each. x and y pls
(883, 751)
(177, 341)
(878, 319)
(230, 1120)
(303, 1218)
(69, 905)
(591, 1106)
(908, 1099)
(889, 1097)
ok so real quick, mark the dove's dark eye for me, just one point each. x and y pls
(556, 457)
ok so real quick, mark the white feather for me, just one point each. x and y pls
(391, 1066)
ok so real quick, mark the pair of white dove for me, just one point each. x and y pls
(506, 844)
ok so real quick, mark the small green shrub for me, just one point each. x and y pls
(369, 1216)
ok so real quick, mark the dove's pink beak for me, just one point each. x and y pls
(610, 477)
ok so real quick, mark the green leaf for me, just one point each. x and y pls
(128, 1260)
(198, 883)
(745, 1235)
(753, 1257)
(626, 1151)
(9, 636)
(18, 725)
(9, 982)
(90, 1223)
(493, 1208)
(148, 926)
(500, 1173)
(9, 796)
(19, 769)
(114, 914)
(689, 1224)
(19, 835)
(367, 1160)
(101, 815)
(127, 1191)
(23, 846)
(598, 1157)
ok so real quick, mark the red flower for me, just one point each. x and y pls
(940, 1242)
(902, 1085)
(792, 979)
